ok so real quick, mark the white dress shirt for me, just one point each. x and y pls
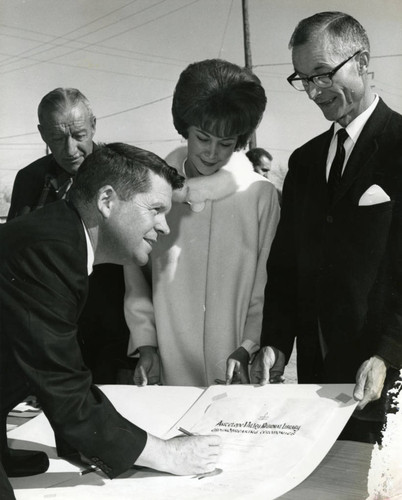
(354, 130)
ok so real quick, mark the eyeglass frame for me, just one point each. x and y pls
(329, 75)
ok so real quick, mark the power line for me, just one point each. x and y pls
(270, 74)
(271, 64)
(388, 92)
(386, 55)
(152, 141)
(289, 63)
(135, 107)
(124, 19)
(86, 68)
(9, 169)
(386, 84)
(81, 27)
(94, 50)
(19, 148)
(226, 27)
(27, 144)
(106, 39)
(127, 110)
(18, 135)
(126, 50)
(146, 22)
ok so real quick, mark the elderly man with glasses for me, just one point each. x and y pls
(335, 267)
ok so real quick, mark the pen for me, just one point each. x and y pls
(184, 431)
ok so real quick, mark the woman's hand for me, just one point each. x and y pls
(237, 367)
(147, 371)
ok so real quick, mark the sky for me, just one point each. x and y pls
(126, 57)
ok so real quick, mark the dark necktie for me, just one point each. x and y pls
(60, 185)
(335, 173)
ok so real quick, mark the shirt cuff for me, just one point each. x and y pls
(250, 346)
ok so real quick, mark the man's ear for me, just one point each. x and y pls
(106, 200)
(93, 124)
(42, 134)
(363, 59)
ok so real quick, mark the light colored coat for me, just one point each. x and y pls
(208, 274)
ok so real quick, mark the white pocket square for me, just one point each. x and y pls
(373, 196)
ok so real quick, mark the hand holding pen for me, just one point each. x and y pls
(215, 472)
(180, 455)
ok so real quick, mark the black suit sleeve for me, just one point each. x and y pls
(390, 339)
(42, 294)
(279, 314)
(16, 204)
(28, 185)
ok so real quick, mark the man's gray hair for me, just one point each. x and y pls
(59, 98)
(343, 33)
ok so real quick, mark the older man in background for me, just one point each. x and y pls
(67, 126)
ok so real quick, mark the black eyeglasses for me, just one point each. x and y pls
(323, 81)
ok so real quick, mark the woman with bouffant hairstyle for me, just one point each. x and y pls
(197, 318)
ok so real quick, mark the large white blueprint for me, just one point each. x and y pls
(273, 438)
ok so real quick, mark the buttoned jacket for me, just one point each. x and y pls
(338, 266)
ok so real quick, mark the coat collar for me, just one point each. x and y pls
(236, 174)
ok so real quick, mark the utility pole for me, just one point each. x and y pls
(247, 55)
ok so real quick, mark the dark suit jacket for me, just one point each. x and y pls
(341, 263)
(43, 287)
(29, 183)
(6, 490)
(103, 331)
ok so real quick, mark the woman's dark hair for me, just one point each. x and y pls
(219, 97)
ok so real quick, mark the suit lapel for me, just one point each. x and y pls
(320, 174)
(365, 148)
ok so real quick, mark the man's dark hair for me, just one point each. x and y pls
(344, 33)
(255, 154)
(124, 167)
(220, 98)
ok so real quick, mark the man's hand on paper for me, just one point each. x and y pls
(237, 367)
(147, 371)
(182, 455)
(369, 381)
(268, 366)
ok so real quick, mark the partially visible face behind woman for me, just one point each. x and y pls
(207, 153)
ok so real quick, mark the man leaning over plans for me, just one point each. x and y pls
(115, 213)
